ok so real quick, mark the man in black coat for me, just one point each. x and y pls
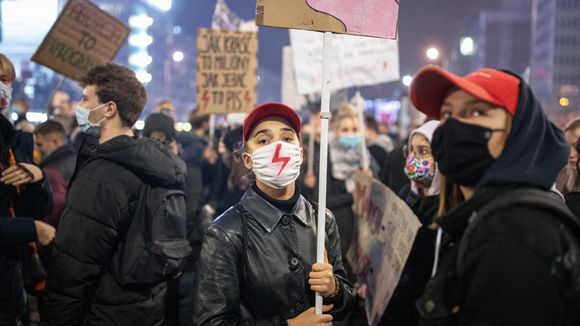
(104, 196)
(160, 127)
(58, 160)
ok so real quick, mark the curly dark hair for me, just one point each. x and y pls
(118, 84)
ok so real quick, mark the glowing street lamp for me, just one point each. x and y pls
(178, 56)
(564, 102)
(407, 80)
(467, 46)
(432, 54)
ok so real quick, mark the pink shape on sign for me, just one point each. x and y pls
(367, 17)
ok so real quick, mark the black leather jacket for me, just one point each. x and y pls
(273, 286)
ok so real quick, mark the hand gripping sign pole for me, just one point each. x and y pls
(324, 117)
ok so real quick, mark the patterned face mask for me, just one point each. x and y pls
(420, 170)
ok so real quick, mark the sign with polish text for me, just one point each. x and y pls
(227, 71)
(83, 36)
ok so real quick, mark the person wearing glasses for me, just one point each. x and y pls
(422, 196)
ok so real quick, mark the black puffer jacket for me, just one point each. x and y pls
(281, 249)
(102, 200)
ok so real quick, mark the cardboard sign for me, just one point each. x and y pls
(356, 61)
(227, 70)
(386, 231)
(377, 18)
(83, 36)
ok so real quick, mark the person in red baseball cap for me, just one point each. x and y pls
(258, 260)
(499, 157)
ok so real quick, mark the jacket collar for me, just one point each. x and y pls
(268, 216)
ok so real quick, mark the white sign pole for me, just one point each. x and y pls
(211, 129)
(324, 119)
(360, 107)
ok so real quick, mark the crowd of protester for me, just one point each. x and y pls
(101, 223)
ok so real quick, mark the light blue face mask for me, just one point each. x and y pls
(82, 115)
(349, 141)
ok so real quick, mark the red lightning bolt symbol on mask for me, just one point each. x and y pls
(205, 98)
(278, 159)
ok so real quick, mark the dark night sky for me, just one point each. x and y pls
(421, 23)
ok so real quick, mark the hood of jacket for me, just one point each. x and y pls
(192, 148)
(535, 150)
(148, 159)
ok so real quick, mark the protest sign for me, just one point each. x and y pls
(386, 230)
(227, 64)
(356, 61)
(377, 18)
(83, 36)
(289, 95)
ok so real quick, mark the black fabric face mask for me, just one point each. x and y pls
(461, 152)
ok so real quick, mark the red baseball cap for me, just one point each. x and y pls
(268, 110)
(432, 83)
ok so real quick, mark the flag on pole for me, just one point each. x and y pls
(224, 17)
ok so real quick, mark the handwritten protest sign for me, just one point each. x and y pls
(386, 231)
(377, 18)
(356, 61)
(227, 64)
(83, 36)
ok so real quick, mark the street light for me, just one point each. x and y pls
(467, 46)
(178, 56)
(432, 54)
(407, 80)
(564, 102)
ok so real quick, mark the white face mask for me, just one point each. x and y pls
(82, 115)
(5, 95)
(277, 164)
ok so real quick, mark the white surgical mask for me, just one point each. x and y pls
(5, 96)
(83, 114)
(277, 164)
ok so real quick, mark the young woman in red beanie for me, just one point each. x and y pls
(258, 260)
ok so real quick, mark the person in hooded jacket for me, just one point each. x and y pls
(422, 196)
(160, 127)
(496, 266)
(104, 195)
(258, 260)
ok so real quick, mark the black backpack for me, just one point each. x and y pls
(155, 247)
(568, 267)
